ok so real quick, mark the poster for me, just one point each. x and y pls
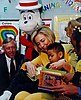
(9, 28)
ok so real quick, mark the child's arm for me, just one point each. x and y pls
(62, 64)
(58, 64)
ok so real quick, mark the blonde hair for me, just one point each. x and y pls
(45, 31)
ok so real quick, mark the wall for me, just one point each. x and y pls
(51, 8)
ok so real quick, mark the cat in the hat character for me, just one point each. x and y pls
(30, 18)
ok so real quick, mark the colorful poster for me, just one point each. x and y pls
(9, 28)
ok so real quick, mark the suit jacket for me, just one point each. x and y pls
(4, 74)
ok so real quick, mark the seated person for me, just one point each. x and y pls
(7, 73)
(42, 38)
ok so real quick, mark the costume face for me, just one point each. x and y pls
(10, 49)
(42, 41)
(53, 55)
(29, 19)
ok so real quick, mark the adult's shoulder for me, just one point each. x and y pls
(2, 58)
(2, 55)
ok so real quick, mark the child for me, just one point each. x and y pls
(55, 53)
(50, 78)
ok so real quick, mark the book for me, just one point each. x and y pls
(50, 78)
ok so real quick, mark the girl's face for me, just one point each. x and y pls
(42, 41)
(53, 56)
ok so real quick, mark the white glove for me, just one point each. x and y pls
(31, 69)
(6, 95)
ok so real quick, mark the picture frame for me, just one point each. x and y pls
(60, 22)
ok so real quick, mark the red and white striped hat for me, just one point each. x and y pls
(28, 5)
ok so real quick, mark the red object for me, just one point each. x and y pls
(29, 4)
(25, 42)
(77, 1)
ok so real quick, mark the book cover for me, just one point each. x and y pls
(50, 78)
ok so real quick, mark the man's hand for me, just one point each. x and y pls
(6, 95)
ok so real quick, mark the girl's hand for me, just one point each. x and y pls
(57, 65)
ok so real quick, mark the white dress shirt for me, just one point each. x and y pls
(9, 61)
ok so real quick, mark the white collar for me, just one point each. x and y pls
(9, 59)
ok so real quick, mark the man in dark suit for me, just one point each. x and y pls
(9, 47)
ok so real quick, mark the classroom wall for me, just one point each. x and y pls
(51, 8)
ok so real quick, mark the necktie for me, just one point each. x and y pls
(12, 69)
